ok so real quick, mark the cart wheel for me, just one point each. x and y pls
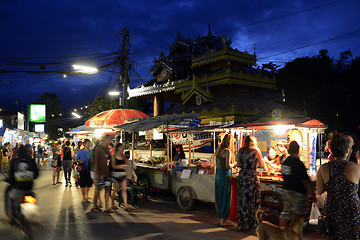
(185, 198)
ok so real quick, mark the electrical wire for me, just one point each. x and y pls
(313, 44)
(279, 17)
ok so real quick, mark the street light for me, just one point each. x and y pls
(76, 115)
(115, 91)
(85, 69)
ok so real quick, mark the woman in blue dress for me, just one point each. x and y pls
(223, 180)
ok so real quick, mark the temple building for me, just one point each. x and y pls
(208, 77)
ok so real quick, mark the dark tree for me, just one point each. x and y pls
(103, 103)
(317, 86)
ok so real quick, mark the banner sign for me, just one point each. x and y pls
(37, 112)
(199, 139)
(312, 152)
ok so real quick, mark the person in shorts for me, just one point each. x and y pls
(297, 189)
(118, 173)
(85, 181)
(102, 171)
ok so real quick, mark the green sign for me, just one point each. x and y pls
(37, 113)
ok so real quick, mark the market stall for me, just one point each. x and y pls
(189, 181)
(276, 126)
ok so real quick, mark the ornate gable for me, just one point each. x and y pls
(199, 94)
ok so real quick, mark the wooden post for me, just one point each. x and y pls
(133, 147)
(167, 151)
(189, 148)
(151, 148)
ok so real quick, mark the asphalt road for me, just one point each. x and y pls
(64, 216)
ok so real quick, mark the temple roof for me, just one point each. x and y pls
(225, 102)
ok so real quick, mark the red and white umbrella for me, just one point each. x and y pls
(115, 117)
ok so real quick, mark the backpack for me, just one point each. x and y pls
(92, 160)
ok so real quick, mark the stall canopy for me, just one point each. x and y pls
(280, 116)
(115, 117)
(81, 130)
(192, 122)
(153, 122)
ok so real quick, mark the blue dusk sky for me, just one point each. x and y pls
(38, 36)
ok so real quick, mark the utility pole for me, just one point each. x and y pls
(124, 66)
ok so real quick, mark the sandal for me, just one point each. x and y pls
(110, 211)
(225, 225)
(96, 209)
(114, 207)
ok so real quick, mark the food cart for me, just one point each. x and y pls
(188, 182)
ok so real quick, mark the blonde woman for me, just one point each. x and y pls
(249, 158)
(224, 165)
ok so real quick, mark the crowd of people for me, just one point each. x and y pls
(9, 152)
(97, 165)
(339, 177)
(104, 167)
(88, 165)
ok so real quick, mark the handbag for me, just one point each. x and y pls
(324, 226)
(80, 167)
(54, 163)
(314, 214)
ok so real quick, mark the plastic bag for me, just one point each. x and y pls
(314, 214)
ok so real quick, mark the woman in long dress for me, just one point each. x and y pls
(223, 180)
(249, 157)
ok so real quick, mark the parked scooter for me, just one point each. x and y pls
(25, 213)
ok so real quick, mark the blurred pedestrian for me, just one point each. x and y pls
(224, 165)
(31, 147)
(97, 203)
(102, 170)
(68, 154)
(118, 168)
(83, 158)
(5, 158)
(297, 189)
(249, 158)
(56, 157)
(15, 151)
(111, 149)
(40, 153)
(79, 146)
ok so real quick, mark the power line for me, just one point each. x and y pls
(86, 55)
(282, 16)
(313, 44)
(97, 36)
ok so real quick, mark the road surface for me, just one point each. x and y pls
(64, 216)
